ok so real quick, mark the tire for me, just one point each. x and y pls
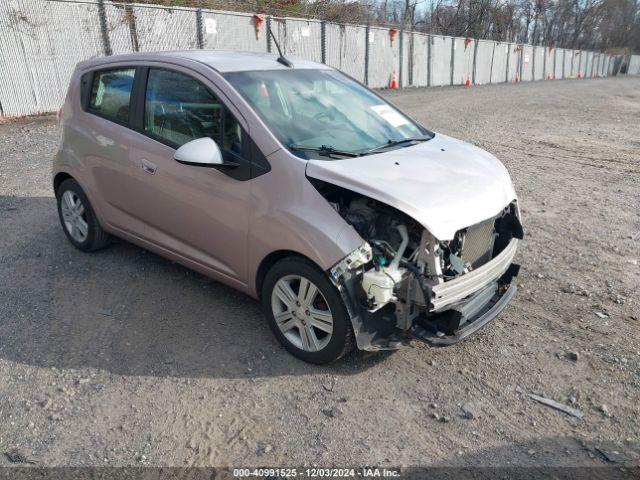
(318, 348)
(90, 236)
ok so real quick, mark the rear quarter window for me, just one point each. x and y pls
(111, 93)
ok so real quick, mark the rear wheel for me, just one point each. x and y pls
(306, 312)
(78, 219)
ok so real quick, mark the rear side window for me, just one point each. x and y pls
(111, 93)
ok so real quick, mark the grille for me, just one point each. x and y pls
(478, 244)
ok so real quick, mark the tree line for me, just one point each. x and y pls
(606, 25)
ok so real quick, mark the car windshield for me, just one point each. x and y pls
(324, 114)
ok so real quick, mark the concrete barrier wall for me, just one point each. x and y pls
(41, 41)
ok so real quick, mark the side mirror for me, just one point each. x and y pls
(202, 152)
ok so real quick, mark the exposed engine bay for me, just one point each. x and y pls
(403, 274)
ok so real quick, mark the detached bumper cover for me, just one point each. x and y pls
(447, 294)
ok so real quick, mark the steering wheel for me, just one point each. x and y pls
(323, 114)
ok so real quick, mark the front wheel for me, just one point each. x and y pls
(306, 312)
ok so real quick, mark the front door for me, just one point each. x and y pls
(198, 213)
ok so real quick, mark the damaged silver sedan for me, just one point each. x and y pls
(352, 224)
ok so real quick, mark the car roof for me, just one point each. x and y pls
(220, 60)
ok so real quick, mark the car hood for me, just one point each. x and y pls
(444, 184)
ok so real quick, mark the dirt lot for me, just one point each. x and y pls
(123, 358)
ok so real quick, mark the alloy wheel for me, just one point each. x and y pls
(302, 313)
(74, 216)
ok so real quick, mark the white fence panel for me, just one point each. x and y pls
(302, 39)
(346, 50)
(634, 65)
(41, 41)
(538, 63)
(526, 63)
(420, 61)
(613, 61)
(232, 32)
(558, 64)
(484, 62)
(499, 68)
(161, 29)
(119, 25)
(596, 64)
(579, 63)
(513, 63)
(603, 64)
(590, 64)
(440, 60)
(40, 44)
(462, 60)
(384, 57)
(406, 53)
(568, 61)
(548, 62)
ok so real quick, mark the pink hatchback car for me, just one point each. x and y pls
(290, 181)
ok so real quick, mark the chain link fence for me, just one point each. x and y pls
(42, 40)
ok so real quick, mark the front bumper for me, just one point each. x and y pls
(455, 325)
(458, 307)
(447, 294)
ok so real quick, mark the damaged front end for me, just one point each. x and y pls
(403, 283)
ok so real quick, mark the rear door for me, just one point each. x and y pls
(199, 214)
(102, 138)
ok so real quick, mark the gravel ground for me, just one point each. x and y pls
(124, 358)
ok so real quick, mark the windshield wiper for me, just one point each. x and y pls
(393, 143)
(324, 150)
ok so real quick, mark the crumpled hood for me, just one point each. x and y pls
(444, 184)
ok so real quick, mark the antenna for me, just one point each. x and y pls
(281, 59)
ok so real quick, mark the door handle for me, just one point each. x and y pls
(148, 167)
